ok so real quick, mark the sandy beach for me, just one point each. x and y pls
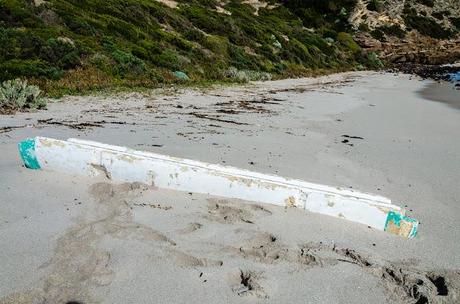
(70, 238)
(445, 92)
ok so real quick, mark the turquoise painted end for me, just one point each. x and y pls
(27, 152)
(401, 225)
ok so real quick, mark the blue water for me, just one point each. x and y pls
(455, 76)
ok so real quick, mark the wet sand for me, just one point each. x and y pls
(69, 238)
(444, 92)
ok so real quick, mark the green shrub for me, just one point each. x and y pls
(348, 42)
(375, 5)
(374, 61)
(168, 59)
(429, 3)
(194, 35)
(426, 26)
(217, 44)
(18, 95)
(363, 27)
(127, 64)
(393, 30)
(378, 34)
(438, 15)
(181, 75)
(246, 75)
(28, 68)
(101, 61)
(61, 52)
(295, 49)
(242, 60)
(455, 22)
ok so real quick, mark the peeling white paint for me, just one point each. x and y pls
(122, 164)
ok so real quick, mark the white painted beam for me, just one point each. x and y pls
(122, 164)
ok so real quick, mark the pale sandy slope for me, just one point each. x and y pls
(68, 238)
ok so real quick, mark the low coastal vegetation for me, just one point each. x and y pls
(18, 95)
(69, 47)
(72, 47)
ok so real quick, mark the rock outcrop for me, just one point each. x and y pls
(409, 31)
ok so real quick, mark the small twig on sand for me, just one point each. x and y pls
(11, 128)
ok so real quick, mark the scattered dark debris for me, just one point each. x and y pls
(10, 128)
(266, 100)
(216, 118)
(295, 89)
(219, 95)
(252, 106)
(347, 142)
(277, 99)
(82, 125)
(246, 279)
(155, 206)
(316, 86)
(70, 124)
(440, 283)
(435, 72)
(225, 103)
(228, 111)
(352, 256)
(352, 137)
(248, 105)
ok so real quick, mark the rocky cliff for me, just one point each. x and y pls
(415, 31)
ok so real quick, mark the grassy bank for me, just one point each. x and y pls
(71, 47)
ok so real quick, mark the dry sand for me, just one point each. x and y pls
(69, 238)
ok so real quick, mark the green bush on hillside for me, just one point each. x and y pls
(142, 42)
(127, 63)
(18, 95)
(348, 42)
(424, 25)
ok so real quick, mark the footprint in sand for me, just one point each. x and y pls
(78, 262)
(262, 247)
(183, 259)
(246, 283)
(402, 281)
(233, 211)
(191, 227)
